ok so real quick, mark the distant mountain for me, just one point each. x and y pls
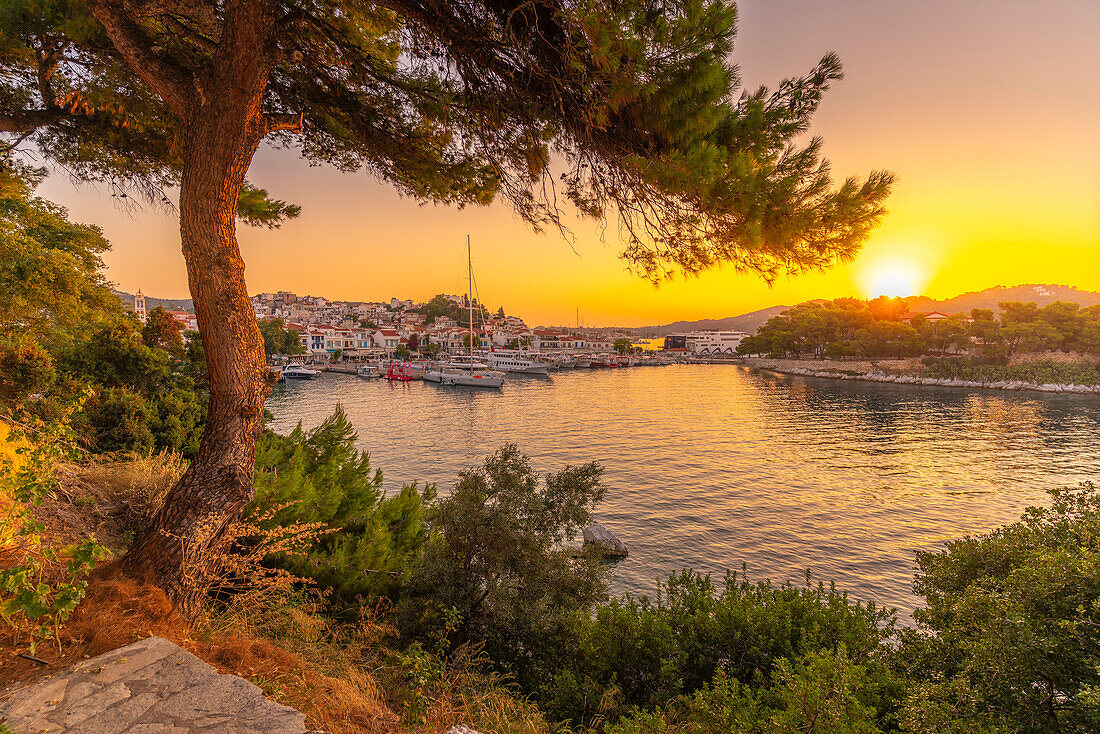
(170, 304)
(990, 297)
(746, 322)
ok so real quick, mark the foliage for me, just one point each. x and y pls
(278, 339)
(40, 585)
(820, 692)
(642, 106)
(1010, 637)
(440, 305)
(848, 327)
(162, 330)
(642, 654)
(623, 345)
(51, 284)
(497, 563)
(62, 331)
(145, 398)
(1039, 372)
(319, 478)
(25, 368)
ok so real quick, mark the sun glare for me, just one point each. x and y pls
(893, 277)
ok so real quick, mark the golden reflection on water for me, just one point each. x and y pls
(710, 466)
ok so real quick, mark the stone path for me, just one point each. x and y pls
(150, 687)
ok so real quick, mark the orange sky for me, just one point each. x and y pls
(988, 112)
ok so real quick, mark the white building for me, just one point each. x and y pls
(714, 342)
(139, 306)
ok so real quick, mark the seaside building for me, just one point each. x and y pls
(714, 342)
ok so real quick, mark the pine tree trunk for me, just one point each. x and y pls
(223, 134)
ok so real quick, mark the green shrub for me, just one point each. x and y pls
(319, 476)
(642, 654)
(1010, 636)
(499, 562)
(1040, 372)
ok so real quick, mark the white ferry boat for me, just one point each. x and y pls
(511, 362)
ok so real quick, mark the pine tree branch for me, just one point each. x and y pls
(174, 84)
(289, 122)
(25, 121)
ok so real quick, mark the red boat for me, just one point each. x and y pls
(399, 373)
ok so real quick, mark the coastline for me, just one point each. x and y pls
(901, 373)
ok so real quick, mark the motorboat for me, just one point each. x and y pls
(298, 372)
(368, 372)
(399, 373)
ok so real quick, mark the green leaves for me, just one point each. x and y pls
(255, 208)
(39, 585)
(1012, 624)
(498, 556)
(319, 476)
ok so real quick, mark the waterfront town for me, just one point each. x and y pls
(370, 330)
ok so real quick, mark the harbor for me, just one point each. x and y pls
(710, 466)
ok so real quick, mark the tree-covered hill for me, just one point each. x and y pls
(169, 304)
(1043, 295)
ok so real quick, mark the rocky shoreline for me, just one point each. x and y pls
(909, 379)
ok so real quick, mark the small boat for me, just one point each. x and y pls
(399, 373)
(368, 372)
(299, 372)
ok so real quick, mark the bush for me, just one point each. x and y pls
(25, 368)
(319, 476)
(497, 567)
(642, 654)
(1010, 637)
(1040, 372)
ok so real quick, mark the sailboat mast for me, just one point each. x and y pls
(470, 297)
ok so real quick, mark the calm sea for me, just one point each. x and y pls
(714, 466)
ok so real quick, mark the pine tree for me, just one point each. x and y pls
(625, 108)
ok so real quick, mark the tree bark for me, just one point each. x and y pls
(224, 131)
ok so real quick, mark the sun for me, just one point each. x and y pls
(892, 277)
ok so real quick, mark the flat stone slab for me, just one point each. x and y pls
(150, 687)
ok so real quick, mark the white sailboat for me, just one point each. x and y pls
(472, 374)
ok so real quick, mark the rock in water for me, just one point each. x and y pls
(598, 536)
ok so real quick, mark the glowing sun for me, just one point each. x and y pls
(893, 277)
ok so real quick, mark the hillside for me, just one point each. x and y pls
(990, 297)
(747, 322)
(171, 304)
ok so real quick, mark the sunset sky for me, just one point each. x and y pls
(989, 113)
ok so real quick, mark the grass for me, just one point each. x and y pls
(343, 675)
